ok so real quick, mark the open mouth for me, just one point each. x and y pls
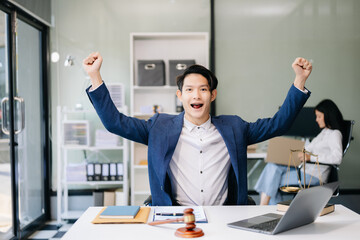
(196, 106)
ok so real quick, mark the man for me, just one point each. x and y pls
(195, 159)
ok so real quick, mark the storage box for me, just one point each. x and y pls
(177, 67)
(76, 133)
(151, 73)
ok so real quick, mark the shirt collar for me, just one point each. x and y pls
(190, 126)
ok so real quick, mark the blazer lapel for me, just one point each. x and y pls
(227, 134)
(174, 128)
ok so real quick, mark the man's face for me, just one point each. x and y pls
(196, 98)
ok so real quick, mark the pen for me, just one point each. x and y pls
(169, 214)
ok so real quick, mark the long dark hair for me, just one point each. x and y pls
(332, 115)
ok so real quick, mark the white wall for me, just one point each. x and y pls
(256, 43)
(84, 26)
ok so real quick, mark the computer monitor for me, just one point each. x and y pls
(304, 124)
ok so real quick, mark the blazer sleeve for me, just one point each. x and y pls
(267, 128)
(115, 122)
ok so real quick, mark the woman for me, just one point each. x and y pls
(327, 145)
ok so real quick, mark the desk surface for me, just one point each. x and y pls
(341, 224)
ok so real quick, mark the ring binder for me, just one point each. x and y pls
(105, 172)
(97, 171)
(112, 175)
(90, 172)
(120, 172)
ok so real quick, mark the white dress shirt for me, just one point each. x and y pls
(328, 146)
(200, 165)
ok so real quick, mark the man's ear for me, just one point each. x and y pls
(179, 94)
(213, 94)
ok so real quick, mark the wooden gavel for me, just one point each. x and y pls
(190, 230)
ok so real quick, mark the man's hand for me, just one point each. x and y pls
(92, 65)
(302, 69)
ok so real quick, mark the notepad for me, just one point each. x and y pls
(126, 212)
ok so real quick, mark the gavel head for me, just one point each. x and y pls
(189, 218)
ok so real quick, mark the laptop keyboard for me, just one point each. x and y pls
(266, 226)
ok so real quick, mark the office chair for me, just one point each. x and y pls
(347, 138)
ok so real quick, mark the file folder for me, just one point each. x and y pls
(90, 172)
(112, 176)
(120, 171)
(97, 171)
(98, 197)
(105, 172)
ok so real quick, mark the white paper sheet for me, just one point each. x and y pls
(164, 213)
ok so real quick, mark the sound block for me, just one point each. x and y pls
(185, 233)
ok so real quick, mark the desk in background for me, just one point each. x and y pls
(256, 163)
(343, 223)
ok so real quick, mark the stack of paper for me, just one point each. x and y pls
(117, 94)
(76, 172)
(104, 138)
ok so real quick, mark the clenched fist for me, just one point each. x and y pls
(302, 69)
(92, 65)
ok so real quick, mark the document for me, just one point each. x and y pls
(164, 213)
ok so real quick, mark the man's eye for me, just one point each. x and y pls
(204, 89)
(188, 89)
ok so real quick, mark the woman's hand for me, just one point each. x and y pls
(301, 157)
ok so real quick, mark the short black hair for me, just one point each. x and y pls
(198, 69)
(332, 115)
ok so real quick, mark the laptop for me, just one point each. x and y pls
(304, 209)
(279, 150)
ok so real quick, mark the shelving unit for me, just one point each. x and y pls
(119, 154)
(160, 46)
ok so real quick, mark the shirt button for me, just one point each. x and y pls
(200, 139)
(198, 127)
(202, 190)
(200, 151)
(200, 172)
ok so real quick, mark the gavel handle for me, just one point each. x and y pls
(166, 221)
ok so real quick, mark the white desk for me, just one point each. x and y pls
(341, 224)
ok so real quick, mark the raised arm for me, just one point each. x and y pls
(92, 65)
(266, 128)
(115, 122)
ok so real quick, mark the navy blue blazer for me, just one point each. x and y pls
(162, 131)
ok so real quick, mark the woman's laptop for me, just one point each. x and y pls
(279, 150)
(304, 209)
